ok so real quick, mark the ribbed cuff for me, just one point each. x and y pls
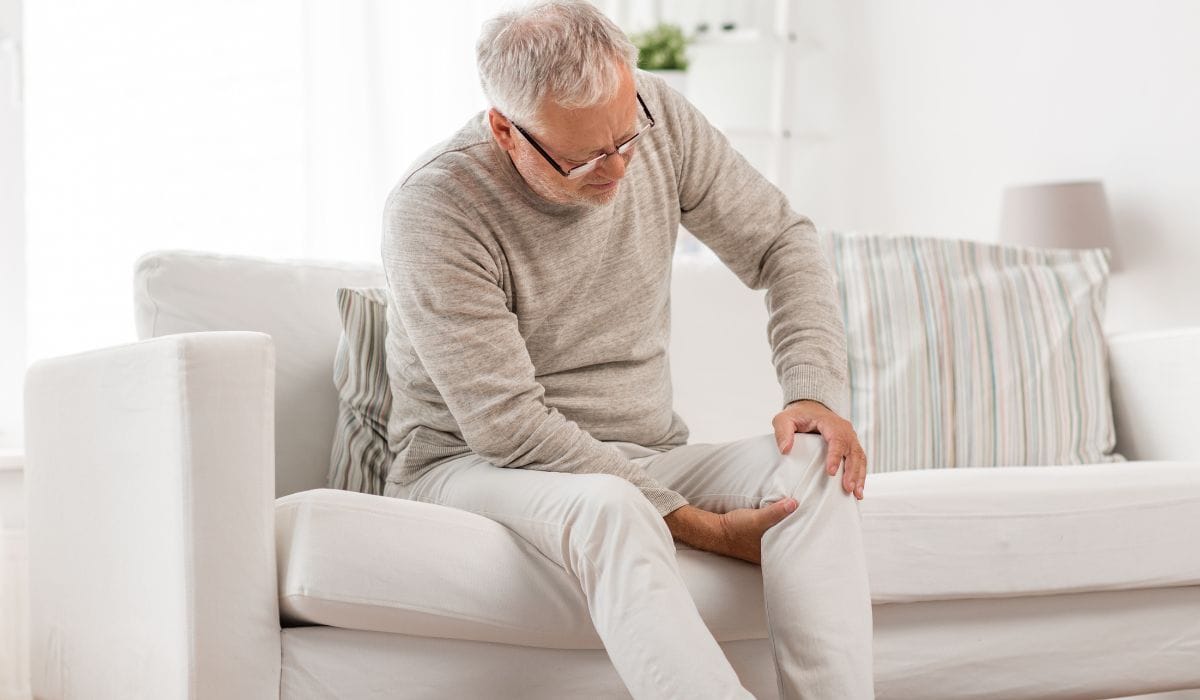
(815, 383)
(664, 499)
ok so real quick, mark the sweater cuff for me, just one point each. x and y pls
(815, 383)
(663, 499)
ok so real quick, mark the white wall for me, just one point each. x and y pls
(12, 228)
(945, 102)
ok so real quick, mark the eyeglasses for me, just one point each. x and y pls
(580, 170)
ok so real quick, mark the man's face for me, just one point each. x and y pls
(572, 137)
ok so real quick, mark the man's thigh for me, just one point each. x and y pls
(537, 505)
(747, 473)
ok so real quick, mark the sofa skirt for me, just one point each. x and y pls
(1103, 644)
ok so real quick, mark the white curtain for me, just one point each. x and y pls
(12, 242)
(169, 124)
(385, 81)
(259, 127)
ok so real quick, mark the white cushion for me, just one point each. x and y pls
(370, 562)
(392, 565)
(293, 301)
(986, 532)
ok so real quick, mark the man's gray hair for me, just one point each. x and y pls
(563, 50)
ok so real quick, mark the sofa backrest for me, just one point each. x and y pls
(179, 291)
(724, 383)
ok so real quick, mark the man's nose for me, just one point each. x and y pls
(613, 167)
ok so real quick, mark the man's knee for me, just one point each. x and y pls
(796, 471)
(809, 449)
(805, 447)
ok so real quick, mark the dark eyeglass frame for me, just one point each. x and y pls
(585, 168)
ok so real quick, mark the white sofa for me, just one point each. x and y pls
(182, 544)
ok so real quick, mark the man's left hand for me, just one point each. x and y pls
(808, 416)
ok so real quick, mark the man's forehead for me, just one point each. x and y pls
(593, 133)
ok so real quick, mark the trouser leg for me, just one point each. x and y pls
(604, 532)
(813, 566)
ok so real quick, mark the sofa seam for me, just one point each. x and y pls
(317, 594)
(1024, 514)
(381, 512)
(187, 512)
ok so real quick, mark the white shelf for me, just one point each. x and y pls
(776, 39)
(12, 460)
(754, 133)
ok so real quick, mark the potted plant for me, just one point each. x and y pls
(662, 50)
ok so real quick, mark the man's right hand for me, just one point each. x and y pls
(736, 534)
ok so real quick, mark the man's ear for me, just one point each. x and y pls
(502, 130)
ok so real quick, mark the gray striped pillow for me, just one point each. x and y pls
(360, 458)
(970, 354)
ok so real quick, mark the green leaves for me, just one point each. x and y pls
(661, 48)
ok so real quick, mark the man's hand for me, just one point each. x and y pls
(807, 416)
(736, 534)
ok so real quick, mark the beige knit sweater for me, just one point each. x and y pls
(531, 332)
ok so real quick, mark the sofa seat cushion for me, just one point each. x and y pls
(368, 562)
(986, 532)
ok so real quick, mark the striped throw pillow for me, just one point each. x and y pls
(970, 354)
(360, 458)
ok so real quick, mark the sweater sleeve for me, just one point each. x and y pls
(747, 222)
(446, 286)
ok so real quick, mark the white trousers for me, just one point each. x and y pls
(605, 533)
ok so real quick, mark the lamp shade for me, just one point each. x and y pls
(1058, 215)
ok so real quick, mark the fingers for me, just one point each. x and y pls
(854, 474)
(838, 449)
(785, 432)
(778, 511)
(843, 448)
(857, 465)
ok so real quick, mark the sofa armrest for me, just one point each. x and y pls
(1156, 393)
(150, 481)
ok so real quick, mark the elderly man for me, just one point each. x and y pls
(528, 261)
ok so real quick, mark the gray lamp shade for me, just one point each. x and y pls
(1058, 215)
